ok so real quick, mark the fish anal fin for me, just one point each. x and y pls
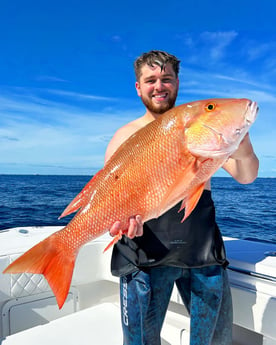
(48, 258)
(190, 202)
(115, 239)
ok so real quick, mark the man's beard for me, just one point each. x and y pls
(161, 107)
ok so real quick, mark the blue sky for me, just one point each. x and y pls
(67, 81)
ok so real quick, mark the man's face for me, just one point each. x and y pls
(157, 89)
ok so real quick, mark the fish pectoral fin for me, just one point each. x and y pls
(190, 202)
(80, 199)
(50, 259)
(177, 190)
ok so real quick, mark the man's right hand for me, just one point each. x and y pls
(135, 228)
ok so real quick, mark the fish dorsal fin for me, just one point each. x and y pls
(190, 202)
(81, 198)
(178, 190)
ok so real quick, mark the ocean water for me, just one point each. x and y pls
(243, 211)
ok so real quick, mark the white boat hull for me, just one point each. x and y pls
(91, 314)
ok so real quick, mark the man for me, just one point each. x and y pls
(155, 255)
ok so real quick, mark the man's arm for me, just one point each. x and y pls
(243, 165)
(119, 137)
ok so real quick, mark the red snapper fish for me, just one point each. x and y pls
(167, 161)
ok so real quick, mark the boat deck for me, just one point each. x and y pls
(100, 325)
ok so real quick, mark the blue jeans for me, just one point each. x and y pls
(205, 292)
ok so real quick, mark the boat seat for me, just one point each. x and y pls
(26, 299)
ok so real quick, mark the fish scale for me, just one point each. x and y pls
(167, 161)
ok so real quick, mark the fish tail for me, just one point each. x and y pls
(50, 259)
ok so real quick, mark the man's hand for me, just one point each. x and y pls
(244, 150)
(243, 164)
(135, 228)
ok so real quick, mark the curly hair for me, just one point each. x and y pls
(155, 57)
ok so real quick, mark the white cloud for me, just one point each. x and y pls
(257, 50)
(47, 78)
(245, 80)
(218, 42)
(37, 133)
(204, 84)
(78, 95)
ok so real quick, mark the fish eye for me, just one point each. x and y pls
(210, 106)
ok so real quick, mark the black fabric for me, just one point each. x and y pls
(197, 242)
